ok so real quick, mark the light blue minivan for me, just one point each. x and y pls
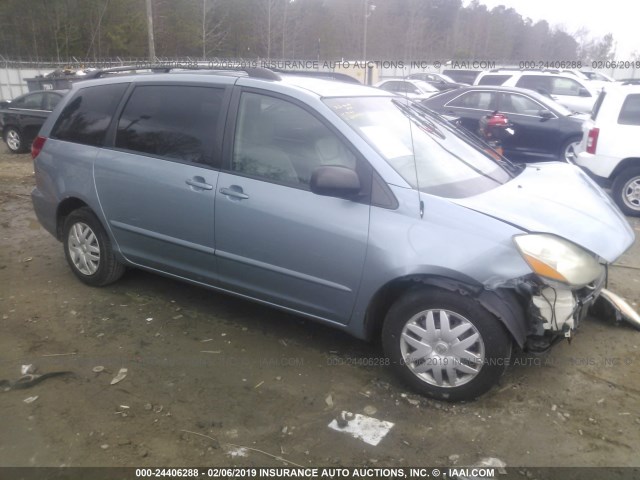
(339, 202)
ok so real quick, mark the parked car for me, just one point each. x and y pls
(21, 119)
(543, 129)
(597, 76)
(441, 82)
(338, 202)
(567, 90)
(610, 150)
(414, 89)
(629, 81)
(466, 77)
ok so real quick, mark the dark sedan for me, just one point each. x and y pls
(543, 129)
(21, 119)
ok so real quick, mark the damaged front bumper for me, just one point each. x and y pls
(554, 311)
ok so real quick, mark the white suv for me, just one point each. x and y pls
(566, 89)
(610, 150)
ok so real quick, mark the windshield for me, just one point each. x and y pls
(427, 152)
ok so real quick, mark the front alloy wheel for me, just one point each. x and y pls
(14, 140)
(444, 344)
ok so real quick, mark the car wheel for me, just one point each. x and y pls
(568, 152)
(13, 138)
(445, 345)
(626, 191)
(88, 250)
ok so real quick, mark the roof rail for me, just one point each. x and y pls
(255, 72)
(339, 76)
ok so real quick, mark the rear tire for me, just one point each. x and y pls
(88, 249)
(14, 140)
(445, 345)
(568, 151)
(626, 191)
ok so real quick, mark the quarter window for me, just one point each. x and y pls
(280, 142)
(630, 112)
(171, 121)
(86, 118)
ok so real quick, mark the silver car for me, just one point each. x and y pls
(342, 203)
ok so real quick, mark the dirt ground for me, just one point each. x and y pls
(202, 364)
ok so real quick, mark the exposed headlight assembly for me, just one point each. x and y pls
(555, 258)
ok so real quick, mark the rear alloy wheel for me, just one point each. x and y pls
(13, 138)
(88, 250)
(569, 150)
(445, 345)
(626, 191)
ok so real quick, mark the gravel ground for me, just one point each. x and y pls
(216, 381)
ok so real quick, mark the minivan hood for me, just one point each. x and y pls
(561, 199)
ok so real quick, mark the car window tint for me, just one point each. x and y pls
(171, 121)
(406, 87)
(494, 79)
(32, 102)
(598, 104)
(278, 141)
(50, 101)
(539, 83)
(565, 86)
(519, 104)
(389, 86)
(86, 118)
(476, 100)
(630, 112)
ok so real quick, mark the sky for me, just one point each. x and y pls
(619, 17)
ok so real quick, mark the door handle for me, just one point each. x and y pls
(234, 191)
(198, 182)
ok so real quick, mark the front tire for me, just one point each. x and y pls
(14, 140)
(445, 345)
(626, 191)
(88, 249)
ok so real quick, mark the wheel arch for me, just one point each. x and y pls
(65, 207)
(623, 165)
(503, 303)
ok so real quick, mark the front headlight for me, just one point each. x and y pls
(558, 259)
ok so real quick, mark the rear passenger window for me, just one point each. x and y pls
(86, 118)
(171, 121)
(630, 112)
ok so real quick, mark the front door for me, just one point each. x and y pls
(275, 239)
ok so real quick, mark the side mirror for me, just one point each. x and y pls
(335, 181)
(583, 92)
(545, 114)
